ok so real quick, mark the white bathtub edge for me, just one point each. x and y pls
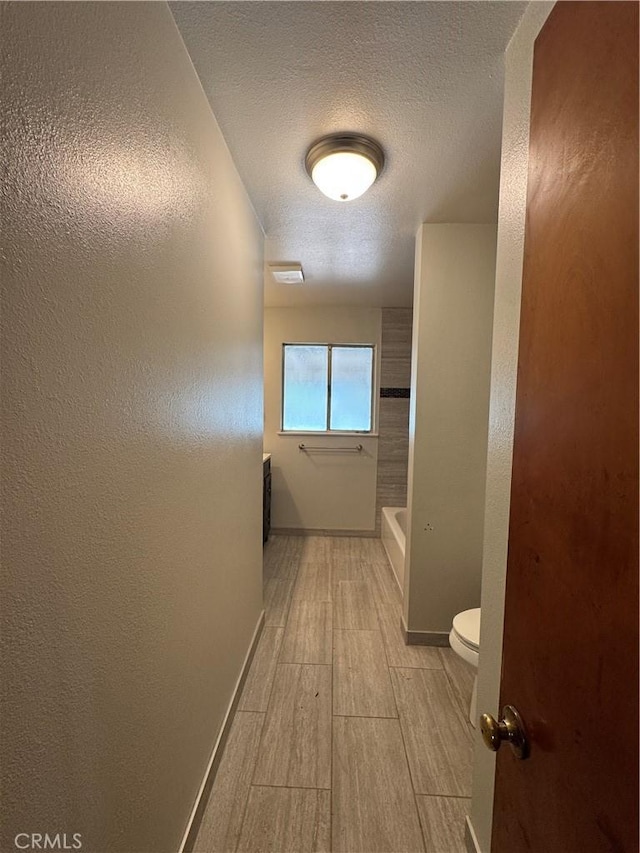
(394, 542)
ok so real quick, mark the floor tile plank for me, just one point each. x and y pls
(287, 820)
(282, 555)
(222, 820)
(316, 549)
(346, 569)
(372, 551)
(295, 749)
(313, 582)
(365, 549)
(277, 596)
(436, 735)
(354, 606)
(461, 677)
(257, 688)
(385, 586)
(443, 820)
(307, 637)
(374, 809)
(361, 681)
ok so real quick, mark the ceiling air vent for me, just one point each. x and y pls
(287, 273)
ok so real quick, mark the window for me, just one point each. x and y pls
(327, 387)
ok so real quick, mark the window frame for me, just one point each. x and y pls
(330, 347)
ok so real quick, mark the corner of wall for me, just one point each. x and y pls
(453, 313)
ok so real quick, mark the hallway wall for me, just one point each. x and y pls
(321, 491)
(131, 425)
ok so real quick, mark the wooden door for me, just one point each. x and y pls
(570, 662)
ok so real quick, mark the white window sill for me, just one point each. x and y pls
(333, 433)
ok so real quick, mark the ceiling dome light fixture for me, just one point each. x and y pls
(345, 165)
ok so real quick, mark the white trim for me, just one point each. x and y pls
(470, 838)
(375, 363)
(327, 433)
(323, 531)
(222, 734)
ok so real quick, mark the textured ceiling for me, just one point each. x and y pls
(423, 78)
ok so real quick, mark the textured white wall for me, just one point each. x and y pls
(335, 491)
(504, 363)
(132, 426)
(452, 316)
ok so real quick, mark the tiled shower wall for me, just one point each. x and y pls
(393, 424)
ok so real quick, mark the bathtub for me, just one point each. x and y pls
(394, 530)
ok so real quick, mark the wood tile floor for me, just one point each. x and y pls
(345, 739)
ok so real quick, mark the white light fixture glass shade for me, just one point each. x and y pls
(344, 167)
(344, 176)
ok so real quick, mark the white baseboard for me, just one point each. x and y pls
(195, 817)
(424, 638)
(317, 531)
(470, 839)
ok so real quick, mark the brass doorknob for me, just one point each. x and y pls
(510, 729)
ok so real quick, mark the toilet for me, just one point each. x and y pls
(464, 639)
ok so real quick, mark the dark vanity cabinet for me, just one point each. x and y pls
(266, 499)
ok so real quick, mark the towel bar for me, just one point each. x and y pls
(306, 447)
